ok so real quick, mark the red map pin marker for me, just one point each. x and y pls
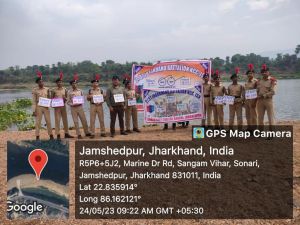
(38, 159)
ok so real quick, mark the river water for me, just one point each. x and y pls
(286, 103)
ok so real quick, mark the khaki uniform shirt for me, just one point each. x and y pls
(251, 84)
(237, 91)
(206, 89)
(93, 92)
(72, 93)
(216, 91)
(266, 88)
(37, 93)
(129, 94)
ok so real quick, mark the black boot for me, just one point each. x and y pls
(37, 138)
(51, 137)
(58, 137)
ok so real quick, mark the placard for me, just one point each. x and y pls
(44, 102)
(119, 98)
(229, 99)
(57, 102)
(132, 102)
(78, 100)
(219, 100)
(98, 99)
(251, 94)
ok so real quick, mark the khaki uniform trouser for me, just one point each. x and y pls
(40, 111)
(77, 111)
(265, 104)
(251, 114)
(96, 110)
(61, 113)
(131, 111)
(218, 113)
(207, 111)
(236, 108)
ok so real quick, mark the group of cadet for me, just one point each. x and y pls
(264, 89)
(116, 98)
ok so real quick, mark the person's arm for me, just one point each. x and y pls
(271, 92)
(69, 99)
(49, 94)
(66, 95)
(34, 101)
(211, 100)
(108, 99)
(89, 96)
(242, 93)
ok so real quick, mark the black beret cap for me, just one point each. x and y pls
(38, 79)
(115, 77)
(234, 76)
(73, 81)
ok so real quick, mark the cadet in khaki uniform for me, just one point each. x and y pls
(116, 108)
(237, 91)
(207, 108)
(265, 92)
(77, 110)
(96, 109)
(217, 90)
(250, 104)
(130, 111)
(61, 112)
(39, 111)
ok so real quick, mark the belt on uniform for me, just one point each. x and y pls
(237, 96)
(206, 96)
(76, 105)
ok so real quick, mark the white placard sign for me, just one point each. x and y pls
(219, 100)
(78, 100)
(98, 99)
(45, 102)
(251, 94)
(119, 98)
(57, 102)
(229, 99)
(132, 102)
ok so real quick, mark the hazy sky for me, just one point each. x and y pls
(48, 31)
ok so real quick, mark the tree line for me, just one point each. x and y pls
(283, 65)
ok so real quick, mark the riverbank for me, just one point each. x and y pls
(84, 84)
(148, 133)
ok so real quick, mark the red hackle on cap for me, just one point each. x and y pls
(237, 70)
(264, 67)
(75, 76)
(217, 72)
(39, 73)
(61, 75)
(250, 67)
(126, 77)
(97, 76)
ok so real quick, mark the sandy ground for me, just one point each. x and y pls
(149, 133)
